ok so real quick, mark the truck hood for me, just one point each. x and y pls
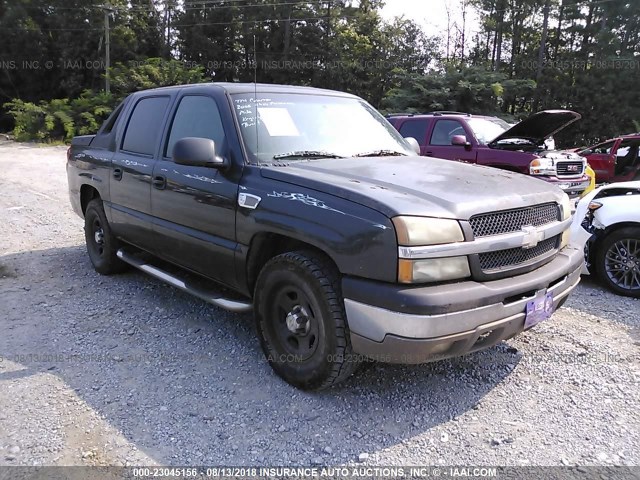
(539, 126)
(412, 185)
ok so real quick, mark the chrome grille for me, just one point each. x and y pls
(513, 257)
(569, 168)
(508, 221)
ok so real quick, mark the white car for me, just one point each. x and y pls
(607, 225)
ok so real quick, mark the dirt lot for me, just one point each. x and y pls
(124, 370)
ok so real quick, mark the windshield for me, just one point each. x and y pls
(312, 126)
(486, 130)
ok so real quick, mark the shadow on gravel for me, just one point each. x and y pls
(6, 272)
(187, 383)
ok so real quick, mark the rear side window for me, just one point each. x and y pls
(628, 148)
(144, 125)
(415, 128)
(196, 116)
(111, 121)
(445, 130)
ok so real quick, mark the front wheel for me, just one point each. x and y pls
(618, 261)
(301, 321)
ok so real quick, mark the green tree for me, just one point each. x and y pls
(152, 73)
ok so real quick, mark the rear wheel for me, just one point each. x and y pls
(618, 261)
(301, 321)
(101, 244)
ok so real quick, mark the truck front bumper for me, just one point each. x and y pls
(400, 324)
(570, 186)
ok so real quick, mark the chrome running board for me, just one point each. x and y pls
(210, 296)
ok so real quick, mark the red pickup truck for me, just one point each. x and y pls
(493, 142)
(615, 160)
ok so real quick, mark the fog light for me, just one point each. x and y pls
(441, 348)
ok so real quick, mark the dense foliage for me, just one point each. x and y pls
(60, 119)
(525, 56)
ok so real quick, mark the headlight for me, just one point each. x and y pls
(566, 213)
(566, 206)
(412, 231)
(432, 270)
(542, 166)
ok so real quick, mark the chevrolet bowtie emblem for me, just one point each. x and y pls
(531, 236)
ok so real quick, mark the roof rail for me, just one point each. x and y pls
(435, 113)
(446, 112)
(389, 115)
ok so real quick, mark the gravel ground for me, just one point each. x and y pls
(124, 370)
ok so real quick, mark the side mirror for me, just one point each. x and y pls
(197, 152)
(413, 143)
(460, 141)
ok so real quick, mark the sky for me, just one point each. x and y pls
(430, 14)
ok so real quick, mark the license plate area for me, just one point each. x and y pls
(539, 309)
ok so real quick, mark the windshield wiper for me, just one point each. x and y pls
(307, 153)
(381, 153)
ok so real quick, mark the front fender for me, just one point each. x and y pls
(361, 241)
(621, 209)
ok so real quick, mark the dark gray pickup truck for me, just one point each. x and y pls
(307, 207)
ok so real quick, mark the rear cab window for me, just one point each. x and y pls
(105, 137)
(110, 122)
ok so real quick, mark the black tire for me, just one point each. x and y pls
(101, 244)
(302, 290)
(617, 261)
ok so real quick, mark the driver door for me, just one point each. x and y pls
(602, 160)
(627, 161)
(440, 142)
(194, 208)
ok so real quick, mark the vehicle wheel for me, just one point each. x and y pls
(301, 321)
(618, 261)
(101, 244)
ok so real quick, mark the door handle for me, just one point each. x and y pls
(117, 173)
(159, 182)
(429, 154)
